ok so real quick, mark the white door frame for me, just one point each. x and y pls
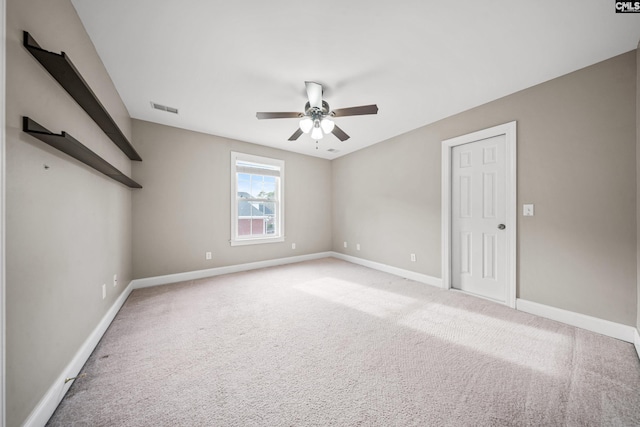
(3, 46)
(509, 130)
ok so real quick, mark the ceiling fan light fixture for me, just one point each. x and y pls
(327, 125)
(316, 133)
(306, 124)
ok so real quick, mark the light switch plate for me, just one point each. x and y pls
(527, 210)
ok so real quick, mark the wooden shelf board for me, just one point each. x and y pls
(74, 148)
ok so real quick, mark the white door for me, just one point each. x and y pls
(479, 225)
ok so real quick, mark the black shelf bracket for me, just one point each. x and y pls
(74, 148)
(63, 70)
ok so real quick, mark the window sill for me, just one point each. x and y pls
(256, 241)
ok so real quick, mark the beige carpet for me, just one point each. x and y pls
(329, 343)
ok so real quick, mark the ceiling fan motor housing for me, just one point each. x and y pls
(316, 113)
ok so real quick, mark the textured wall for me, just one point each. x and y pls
(68, 227)
(576, 163)
(184, 209)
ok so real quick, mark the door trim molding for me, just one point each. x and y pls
(3, 153)
(509, 130)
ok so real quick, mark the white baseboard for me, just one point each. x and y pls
(636, 342)
(418, 277)
(594, 324)
(49, 402)
(210, 272)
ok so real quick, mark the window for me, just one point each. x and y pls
(257, 212)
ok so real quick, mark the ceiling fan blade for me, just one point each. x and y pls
(342, 136)
(295, 135)
(261, 116)
(314, 93)
(355, 111)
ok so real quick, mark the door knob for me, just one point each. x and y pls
(502, 226)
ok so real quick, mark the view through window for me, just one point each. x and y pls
(257, 208)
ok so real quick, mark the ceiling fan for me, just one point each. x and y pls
(317, 115)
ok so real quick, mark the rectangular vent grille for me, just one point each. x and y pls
(164, 108)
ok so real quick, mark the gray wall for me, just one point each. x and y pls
(576, 163)
(184, 209)
(69, 227)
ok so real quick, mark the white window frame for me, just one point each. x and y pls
(253, 240)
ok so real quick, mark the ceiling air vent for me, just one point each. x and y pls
(333, 150)
(164, 108)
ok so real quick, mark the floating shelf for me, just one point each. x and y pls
(71, 146)
(63, 70)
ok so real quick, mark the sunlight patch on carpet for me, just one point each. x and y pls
(545, 351)
(376, 302)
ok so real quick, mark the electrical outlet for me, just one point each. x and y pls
(207, 255)
(413, 257)
(357, 246)
(115, 280)
(293, 246)
(345, 244)
(104, 290)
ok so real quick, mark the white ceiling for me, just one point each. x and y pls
(219, 62)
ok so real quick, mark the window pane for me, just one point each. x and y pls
(258, 227)
(256, 185)
(244, 185)
(244, 226)
(253, 185)
(245, 209)
(267, 208)
(268, 190)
